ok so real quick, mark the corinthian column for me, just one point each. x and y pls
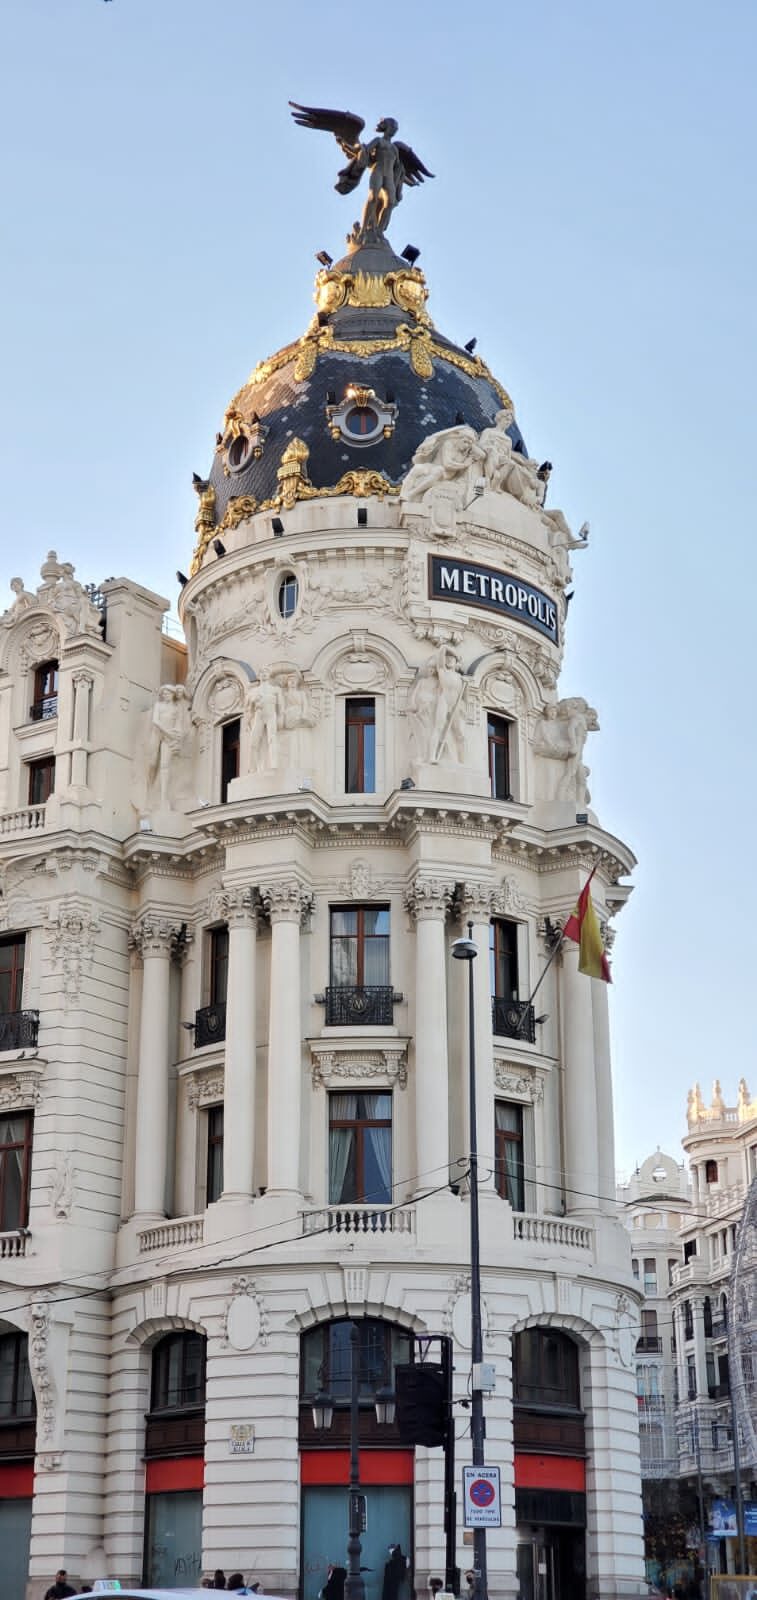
(155, 939)
(580, 1108)
(476, 907)
(605, 1116)
(288, 904)
(428, 901)
(238, 909)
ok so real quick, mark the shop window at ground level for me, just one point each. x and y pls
(173, 1539)
(388, 1521)
(15, 1534)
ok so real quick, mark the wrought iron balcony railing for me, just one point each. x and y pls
(18, 1029)
(513, 1019)
(210, 1025)
(360, 1005)
(42, 710)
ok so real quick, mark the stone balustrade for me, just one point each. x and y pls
(556, 1232)
(359, 1219)
(170, 1235)
(26, 819)
(13, 1246)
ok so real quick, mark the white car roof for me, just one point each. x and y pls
(172, 1594)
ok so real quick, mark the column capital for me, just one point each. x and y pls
(287, 900)
(429, 898)
(82, 678)
(158, 936)
(237, 906)
(475, 901)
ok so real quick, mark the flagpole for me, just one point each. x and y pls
(529, 1002)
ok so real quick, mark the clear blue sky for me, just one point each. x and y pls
(592, 222)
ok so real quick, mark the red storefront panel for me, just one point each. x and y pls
(376, 1466)
(17, 1481)
(550, 1472)
(161, 1477)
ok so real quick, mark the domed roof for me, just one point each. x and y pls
(343, 409)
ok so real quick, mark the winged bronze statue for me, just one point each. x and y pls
(390, 162)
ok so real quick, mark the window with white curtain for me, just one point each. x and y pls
(509, 1165)
(360, 1149)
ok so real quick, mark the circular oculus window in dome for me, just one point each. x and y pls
(361, 417)
(287, 595)
(239, 453)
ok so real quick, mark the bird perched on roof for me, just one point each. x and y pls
(390, 162)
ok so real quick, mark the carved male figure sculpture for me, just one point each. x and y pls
(263, 708)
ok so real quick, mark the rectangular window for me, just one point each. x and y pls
(230, 735)
(689, 1249)
(649, 1336)
(688, 1320)
(671, 1265)
(45, 702)
(509, 1169)
(15, 1170)
(218, 965)
(11, 972)
(503, 959)
(650, 1275)
(359, 946)
(214, 1188)
(635, 1267)
(360, 1149)
(360, 746)
(41, 780)
(691, 1377)
(498, 739)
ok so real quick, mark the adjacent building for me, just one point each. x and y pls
(233, 1046)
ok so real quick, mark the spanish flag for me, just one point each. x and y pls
(583, 927)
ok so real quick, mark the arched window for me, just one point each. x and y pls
(325, 1356)
(178, 1373)
(710, 1172)
(545, 1369)
(17, 1400)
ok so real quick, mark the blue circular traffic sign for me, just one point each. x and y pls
(482, 1493)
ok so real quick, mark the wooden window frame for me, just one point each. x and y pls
(45, 689)
(215, 1140)
(24, 1144)
(496, 933)
(358, 1127)
(21, 1368)
(157, 1402)
(15, 944)
(218, 964)
(231, 734)
(360, 938)
(498, 736)
(502, 1138)
(43, 769)
(355, 729)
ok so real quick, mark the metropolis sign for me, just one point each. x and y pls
(468, 583)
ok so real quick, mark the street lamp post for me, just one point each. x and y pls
(465, 950)
(354, 1588)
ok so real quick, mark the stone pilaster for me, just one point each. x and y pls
(83, 682)
(155, 938)
(428, 901)
(475, 905)
(237, 907)
(288, 904)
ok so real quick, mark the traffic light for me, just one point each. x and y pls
(422, 1405)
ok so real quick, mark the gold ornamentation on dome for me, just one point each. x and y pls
(233, 424)
(361, 395)
(367, 289)
(419, 341)
(239, 508)
(331, 290)
(307, 355)
(409, 292)
(292, 474)
(363, 482)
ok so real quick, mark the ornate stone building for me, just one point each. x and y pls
(233, 1045)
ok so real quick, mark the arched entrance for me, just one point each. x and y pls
(386, 1467)
(550, 1466)
(174, 1462)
